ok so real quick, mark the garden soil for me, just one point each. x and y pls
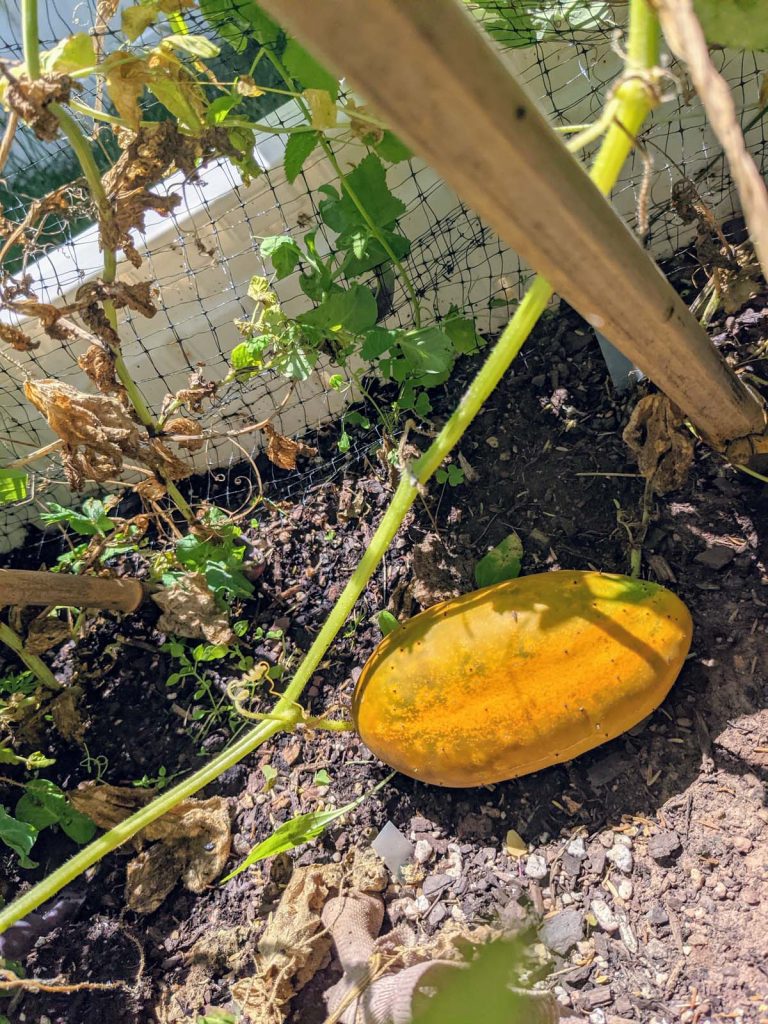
(645, 886)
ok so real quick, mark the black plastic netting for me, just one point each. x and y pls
(202, 257)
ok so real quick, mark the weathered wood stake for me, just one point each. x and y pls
(22, 587)
(435, 78)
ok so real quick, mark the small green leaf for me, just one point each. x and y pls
(353, 310)
(258, 289)
(392, 149)
(13, 485)
(369, 182)
(378, 341)
(44, 804)
(322, 778)
(20, 836)
(88, 522)
(195, 46)
(429, 355)
(501, 563)
(303, 66)
(70, 55)
(299, 830)
(283, 252)
(270, 776)
(461, 330)
(220, 576)
(740, 24)
(219, 109)
(297, 150)
(387, 623)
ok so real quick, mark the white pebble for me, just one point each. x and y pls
(604, 915)
(606, 838)
(624, 889)
(577, 848)
(422, 904)
(536, 866)
(422, 851)
(621, 857)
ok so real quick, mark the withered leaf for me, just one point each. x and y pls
(283, 451)
(194, 841)
(187, 428)
(30, 100)
(99, 366)
(189, 609)
(46, 632)
(17, 339)
(126, 76)
(151, 489)
(164, 462)
(657, 437)
(65, 712)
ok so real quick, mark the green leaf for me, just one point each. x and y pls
(392, 149)
(220, 576)
(501, 563)
(283, 252)
(136, 20)
(20, 836)
(195, 46)
(322, 778)
(461, 331)
(299, 830)
(297, 150)
(303, 67)
(219, 109)
(387, 623)
(369, 182)
(352, 310)
(13, 485)
(373, 252)
(70, 55)
(378, 341)
(265, 30)
(228, 19)
(270, 776)
(44, 804)
(92, 520)
(740, 24)
(428, 354)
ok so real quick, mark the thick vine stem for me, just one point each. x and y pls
(635, 102)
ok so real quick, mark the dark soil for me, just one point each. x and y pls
(667, 825)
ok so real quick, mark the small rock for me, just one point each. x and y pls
(595, 997)
(719, 891)
(422, 851)
(453, 857)
(437, 914)
(664, 847)
(596, 858)
(657, 915)
(571, 865)
(624, 889)
(536, 866)
(422, 904)
(751, 897)
(741, 844)
(393, 847)
(716, 557)
(562, 931)
(604, 915)
(606, 838)
(621, 858)
(433, 884)
(577, 848)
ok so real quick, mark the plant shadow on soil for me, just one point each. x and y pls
(543, 451)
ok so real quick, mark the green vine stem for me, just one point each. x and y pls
(636, 100)
(87, 163)
(35, 665)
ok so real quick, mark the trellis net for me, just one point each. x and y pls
(202, 256)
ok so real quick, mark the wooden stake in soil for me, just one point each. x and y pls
(431, 73)
(21, 587)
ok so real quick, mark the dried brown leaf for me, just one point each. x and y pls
(30, 101)
(46, 632)
(17, 339)
(164, 462)
(108, 805)
(151, 876)
(283, 451)
(151, 490)
(67, 719)
(189, 609)
(188, 428)
(99, 366)
(657, 437)
(126, 76)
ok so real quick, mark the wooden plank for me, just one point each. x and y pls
(23, 587)
(435, 78)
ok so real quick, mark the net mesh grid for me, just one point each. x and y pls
(202, 257)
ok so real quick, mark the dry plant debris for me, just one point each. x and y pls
(657, 437)
(30, 101)
(283, 451)
(189, 609)
(194, 841)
